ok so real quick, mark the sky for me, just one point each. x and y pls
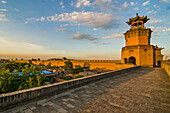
(78, 29)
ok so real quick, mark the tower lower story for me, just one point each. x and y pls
(143, 55)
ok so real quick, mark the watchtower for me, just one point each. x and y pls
(138, 49)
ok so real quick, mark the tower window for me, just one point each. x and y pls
(135, 24)
(140, 24)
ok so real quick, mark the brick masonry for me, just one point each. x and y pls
(166, 66)
(145, 90)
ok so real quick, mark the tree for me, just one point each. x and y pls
(49, 65)
(34, 59)
(68, 64)
(31, 77)
(41, 80)
(7, 81)
(38, 80)
(78, 69)
(79, 76)
(67, 78)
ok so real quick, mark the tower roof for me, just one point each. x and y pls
(137, 18)
(158, 48)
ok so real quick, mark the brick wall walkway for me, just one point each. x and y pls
(145, 90)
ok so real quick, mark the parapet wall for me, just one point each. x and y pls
(166, 66)
(20, 96)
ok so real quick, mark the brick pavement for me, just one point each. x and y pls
(145, 90)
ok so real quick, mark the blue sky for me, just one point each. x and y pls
(80, 29)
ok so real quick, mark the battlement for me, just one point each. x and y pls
(108, 64)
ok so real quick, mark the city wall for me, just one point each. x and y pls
(32, 93)
(107, 64)
(166, 66)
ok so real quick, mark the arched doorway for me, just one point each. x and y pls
(159, 63)
(132, 60)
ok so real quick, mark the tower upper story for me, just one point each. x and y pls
(138, 34)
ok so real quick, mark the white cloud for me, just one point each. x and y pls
(61, 3)
(163, 0)
(94, 19)
(72, 3)
(160, 29)
(161, 34)
(4, 2)
(166, 29)
(33, 19)
(16, 9)
(29, 19)
(94, 42)
(99, 2)
(83, 3)
(32, 46)
(155, 29)
(82, 36)
(3, 19)
(114, 35)
(132, 3)
(64, 25)
(145, 3)
(25, 45)
(125, 4)
(155, 6)
(94, 29)
(3, 10)
(136, 9)
(26, 22)
(60, 29)
(155, 12)
(2, 15)
(40, 19)
(150, 12)
(106, 5)
(62, 6)
(105, 43)
(154, 21)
